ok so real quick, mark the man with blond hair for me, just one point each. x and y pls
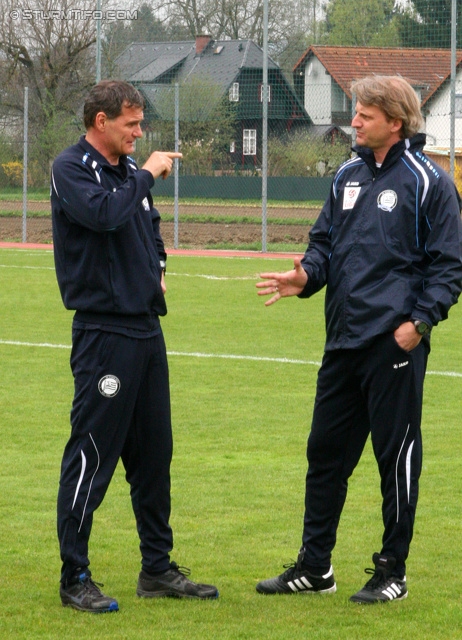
(387, 246)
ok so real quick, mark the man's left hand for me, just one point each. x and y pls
(407, 337)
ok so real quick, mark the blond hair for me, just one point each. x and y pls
(395, 97)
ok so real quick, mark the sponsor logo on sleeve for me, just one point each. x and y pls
(350, 195)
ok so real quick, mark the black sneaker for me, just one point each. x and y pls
(85, 595)
(383, 586)
(173, 583)
(298, 580)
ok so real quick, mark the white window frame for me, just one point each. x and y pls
(261, 93)
(249, 142)
(234, 92)
(458, 105)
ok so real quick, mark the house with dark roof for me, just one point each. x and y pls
(323, 75)
(230, 70)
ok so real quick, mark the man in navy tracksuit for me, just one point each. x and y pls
(110, 264)
(387, 245)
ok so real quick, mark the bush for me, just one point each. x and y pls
(13, 172)
(301, 154)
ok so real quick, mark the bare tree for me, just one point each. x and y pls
(239, 19)
(49, 50)
(194, 15)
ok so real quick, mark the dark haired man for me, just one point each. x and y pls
(110, 264)
(387, 246)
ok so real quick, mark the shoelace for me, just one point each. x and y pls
(183, 570)
(91, 586)
(378, 578)
(291, 567)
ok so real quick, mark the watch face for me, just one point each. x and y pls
(422, 328)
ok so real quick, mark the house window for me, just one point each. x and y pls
(261, 93)
(339, 99)
(250, 142)
(234, 92)
(459, 105)
(340, 106)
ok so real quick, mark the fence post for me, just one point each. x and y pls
(264, 142)
(177, 164)
(24, 165)
(98, 41)
(452, 134)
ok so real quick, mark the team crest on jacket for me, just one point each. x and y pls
(109, 386)
(387, 200)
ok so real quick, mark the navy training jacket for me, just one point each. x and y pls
(388, 245)
(107, 241)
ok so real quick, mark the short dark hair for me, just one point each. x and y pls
(110, 96)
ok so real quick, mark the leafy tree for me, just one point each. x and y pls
(206, 126)
(361, 23)
(58, 133)
(427, 23)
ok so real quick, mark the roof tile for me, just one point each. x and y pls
(425, 69)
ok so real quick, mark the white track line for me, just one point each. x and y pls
(170, 273)
(225, 356)
(22, 266)
(207, 277)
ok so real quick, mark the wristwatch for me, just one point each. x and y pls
(421, 327)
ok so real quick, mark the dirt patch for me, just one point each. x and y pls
(194, 235)
(38, 230)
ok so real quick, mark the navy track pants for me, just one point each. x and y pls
(376, 390)
(121, 410)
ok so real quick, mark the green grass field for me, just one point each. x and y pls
(243, 382)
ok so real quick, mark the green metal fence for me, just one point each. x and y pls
(259, 120)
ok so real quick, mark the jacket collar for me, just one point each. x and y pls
(417, 142)
(96, 155)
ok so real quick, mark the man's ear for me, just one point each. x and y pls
(396, 125)
(100, 121)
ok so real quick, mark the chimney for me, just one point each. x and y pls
(201, 43)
